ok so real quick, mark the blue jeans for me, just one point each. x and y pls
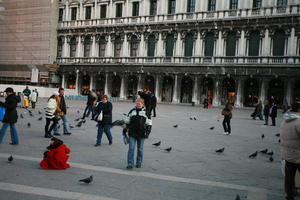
(65, 123)
(259, 114)
(87, 111)
(13, 132)
(106, 130)
(140, 149)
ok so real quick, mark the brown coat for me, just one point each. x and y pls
(58, 109)
(290, 140)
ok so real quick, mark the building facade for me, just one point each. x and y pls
(182, 50)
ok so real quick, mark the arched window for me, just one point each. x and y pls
(170, 45)
(87, 47)
(151, 45)
(188, 45)
(117, 47)
(209, 45)
(102, 46)
(278, 43)
(231, 44)
(59, 47)
(73, 44)
(134, 46)
(254, 44)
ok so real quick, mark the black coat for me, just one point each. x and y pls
(106, 108)
(147, 98)
(266, 109)
(274, 111)
(11, 115)
(153, 101)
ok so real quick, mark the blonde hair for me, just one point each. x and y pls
(140, 100)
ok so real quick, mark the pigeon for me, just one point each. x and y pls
(237, 197)
(262, 136)
(271, 159)
(124, 114)
(10, 158)
(40, 118)
(40, 112)
(168, 149)
(212, 128)
(270, 153)
(76, 120)
(175, 126)
(79, 124)
(264, 151)
(87, 180)
(157, 143)
(277, 135)
(28, 124)
(195, 118)
(30, 111)
(191, 118)
(71, 126)
(31, 115)
(253, 155)
(21, 116)
(83, 121)
(279, 141)
(78, 111)
(220, 150)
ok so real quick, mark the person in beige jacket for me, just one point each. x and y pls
(290, 151)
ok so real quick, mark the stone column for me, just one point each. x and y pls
(292, 43)
(178, 45)
(142, 50)
(263, 88)
(95, 14)
(65, 47)
(202, 7)
(239, 92)
(77, 82)
(216, 96)
(266, 44)
(288, 92)
(139, 84)
(122, 89)
(91, 81)
(125, 49)
(160, 46)
(195, 91)
(158, 88)
(81, 16)
(67, 17)
(78, 38)
(110, 10)
(175, 88)
(93, 53)
(63, 80)
(106, 84)
(242, 44)
(198, 45)
(109, 50)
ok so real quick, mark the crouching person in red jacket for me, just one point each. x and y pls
(56, 157)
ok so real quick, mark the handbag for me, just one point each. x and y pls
(99, 116)
(2, 112)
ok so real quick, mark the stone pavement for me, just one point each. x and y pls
(192, 170)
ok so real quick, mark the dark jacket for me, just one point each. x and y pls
(153, 101)
(26, 92)
(138, 124)
(273, 112)
(91, 100)
(147, 98)
(266, 109)
(11, 115)
(106, 108)
(63, 105)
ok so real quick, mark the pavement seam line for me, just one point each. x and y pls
(156, 176)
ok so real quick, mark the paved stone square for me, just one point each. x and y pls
(192, 170)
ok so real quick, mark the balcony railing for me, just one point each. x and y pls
(217, 15)
(274, 60)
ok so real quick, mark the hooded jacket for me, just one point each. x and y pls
(11, 115)
(290, 138)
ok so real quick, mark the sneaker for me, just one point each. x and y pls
(96, 145)
(57, 134)
(225, 133)
(48, 136)
(110, 143)
(138, 166)
(67, 133)
(129, 167)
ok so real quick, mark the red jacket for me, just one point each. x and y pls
(56, 158)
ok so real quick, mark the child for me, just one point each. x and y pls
(56, 157)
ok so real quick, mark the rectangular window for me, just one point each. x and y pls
(257, 3)
(119, 8)
(233, 4)
(88, 12)
(191, 6)
(103, 9)
(281, 2)
(135, 9)
(134, 49)
(172, 6)
(60, 14)
(153, 7)
(73, 13)
(211, 5)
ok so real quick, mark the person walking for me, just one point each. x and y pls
(205, 103)
(26, 94)
(105, 124)
(290, 151)
(33, 98)
(51, 114)
(227, 113)
(139, 126)
(62, 112)
(153, 105)
(10, 117)
(273, 113)
(266, 111)
(258, 111)
(90, 104)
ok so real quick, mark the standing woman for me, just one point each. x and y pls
(139, 127)
(50, 114)
(10, 117)
(273, 113)
(227, 112)
(105, 107)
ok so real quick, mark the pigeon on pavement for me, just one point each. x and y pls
(87, 180)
